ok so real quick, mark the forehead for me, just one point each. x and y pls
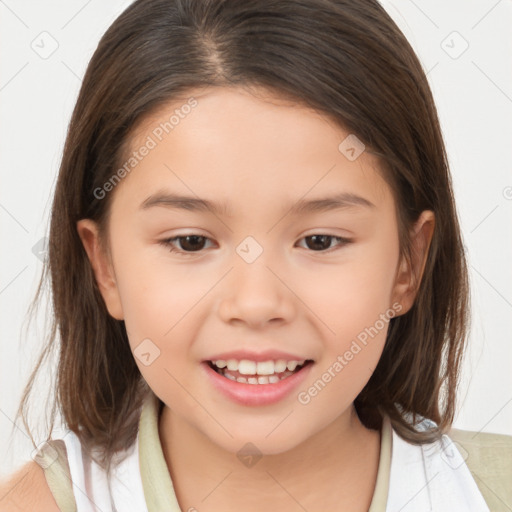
(233, 142)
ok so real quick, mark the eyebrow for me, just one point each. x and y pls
(343, 200)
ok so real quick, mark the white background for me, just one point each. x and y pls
(473, 93)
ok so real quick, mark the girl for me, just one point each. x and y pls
(259, 283)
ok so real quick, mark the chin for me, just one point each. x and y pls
(258, 442)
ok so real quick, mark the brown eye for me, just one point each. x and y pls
(189, 243)
(192, 242)
(320, 243)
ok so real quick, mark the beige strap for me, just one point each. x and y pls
(156, 480)
(489, 458)
(52, 457)
(380, 494)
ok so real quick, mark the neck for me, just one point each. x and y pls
(340, 463)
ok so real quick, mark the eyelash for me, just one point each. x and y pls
(168, 243)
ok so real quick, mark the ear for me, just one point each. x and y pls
(409, 275)
(102, 267)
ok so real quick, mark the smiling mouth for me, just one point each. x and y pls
(274, 378)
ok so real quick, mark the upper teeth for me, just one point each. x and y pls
(247, 367)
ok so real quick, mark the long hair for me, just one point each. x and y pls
(346, 59)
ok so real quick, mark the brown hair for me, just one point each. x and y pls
(345, 59)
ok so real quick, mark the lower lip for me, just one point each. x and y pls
(256, 394)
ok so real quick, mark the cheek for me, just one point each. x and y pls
(160, 322)
(339, 380)
(156, 293)
(164, 303)
(357, 314)
(352, 295)
(352, 301)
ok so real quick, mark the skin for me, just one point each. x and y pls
(260, 154)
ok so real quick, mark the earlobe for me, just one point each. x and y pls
(410, 273)
(103, 270)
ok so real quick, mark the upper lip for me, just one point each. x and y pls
(267, 355)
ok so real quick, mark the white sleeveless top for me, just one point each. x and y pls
(411, 478)
(90, 486)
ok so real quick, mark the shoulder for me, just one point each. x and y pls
(489, 458)
(44, 482)
(432, 476)
(27, 489)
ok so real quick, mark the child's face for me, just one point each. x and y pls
(256, 283)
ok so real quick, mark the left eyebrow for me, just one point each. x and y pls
(344, 200)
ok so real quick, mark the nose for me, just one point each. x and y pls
(256, 294)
